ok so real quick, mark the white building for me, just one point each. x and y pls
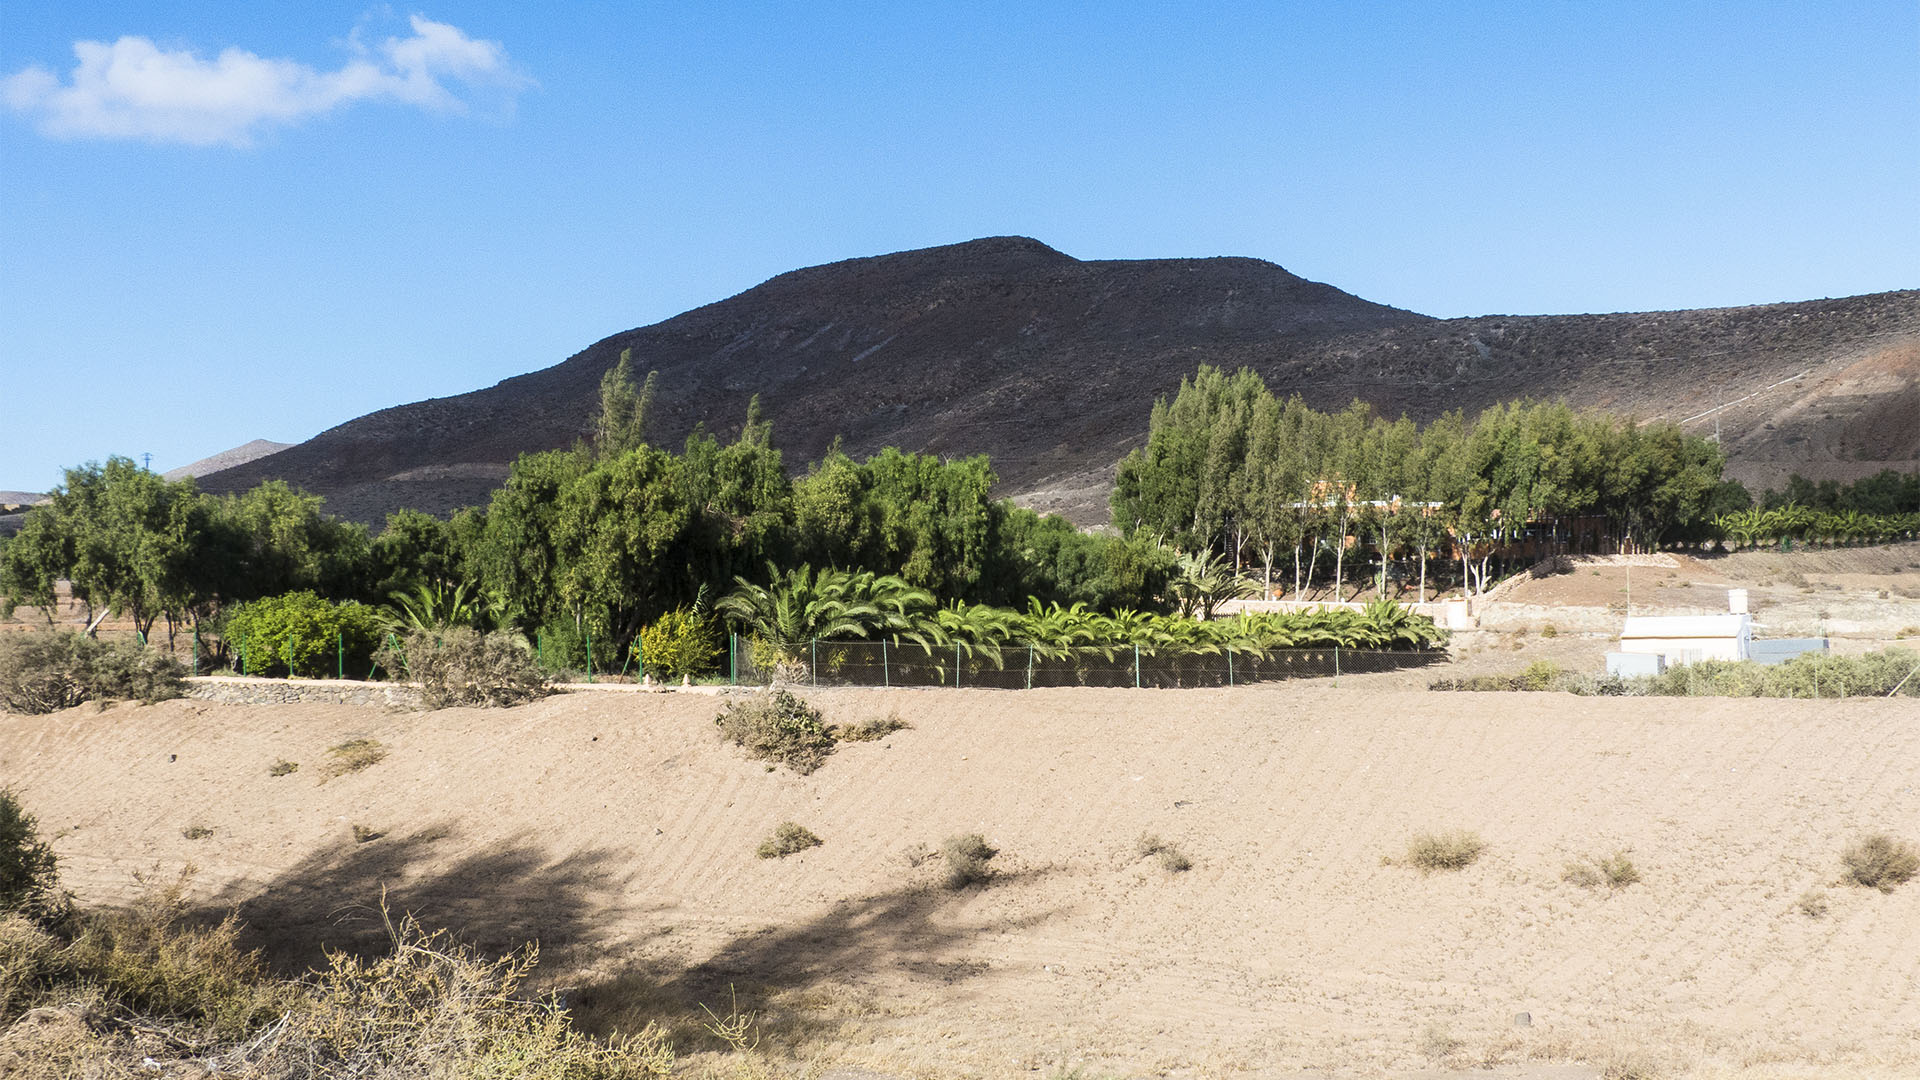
(1687, 639)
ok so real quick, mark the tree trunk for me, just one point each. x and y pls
(1423, 571)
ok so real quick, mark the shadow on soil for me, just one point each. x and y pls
(801, 982)
(495, 901)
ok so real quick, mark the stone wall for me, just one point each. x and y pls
(234, 690)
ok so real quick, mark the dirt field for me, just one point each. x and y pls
(618, 831)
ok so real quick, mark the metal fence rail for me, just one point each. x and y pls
(881, 663)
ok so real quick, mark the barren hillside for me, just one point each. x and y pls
(619, 831)
(1007, 347)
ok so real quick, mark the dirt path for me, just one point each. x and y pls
(618, 831)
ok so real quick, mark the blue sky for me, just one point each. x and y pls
(367, 206)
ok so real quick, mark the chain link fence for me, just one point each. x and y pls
(882, 663)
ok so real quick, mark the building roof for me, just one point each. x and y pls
(1684, 626)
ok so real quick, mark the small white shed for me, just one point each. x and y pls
(1686, 639)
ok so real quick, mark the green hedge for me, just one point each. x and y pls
(302, 634)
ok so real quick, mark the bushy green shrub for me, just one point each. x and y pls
(568, 648)
(300, 633)
(29, 872)
(46, 671)
(683, 642)
(777, 726)
(1875, 674)
(458, 666)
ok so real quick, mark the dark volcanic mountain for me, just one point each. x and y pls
(1048, 363)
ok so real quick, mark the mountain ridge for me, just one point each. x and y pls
(1050, 364)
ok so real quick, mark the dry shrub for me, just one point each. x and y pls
(45, 671)
(1438, 1044)
(433, 1008)
(777, 726)
(29, 959)
(283, 767)
(915, 854)
(1879, 861)
(788, 837)
(1812, 903)
(352, 756)
(1170, 858)
(1452, 850)
(150, 960)
(1582, 875)
(871, 729)
(1615, 871)
(966, 859)
(459, 666)
(366, 834)
(197, 832)
(1631, 1065)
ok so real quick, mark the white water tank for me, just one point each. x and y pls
(1737, 601)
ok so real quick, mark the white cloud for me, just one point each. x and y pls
(133, 89)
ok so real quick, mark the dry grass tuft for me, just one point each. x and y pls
(366, 834)
(871, 729)
(1615, 871)
(966, 858)
(283, 767)
(1170, 858)
(1629, 1066)
(352, 756)
(1455, 849)
(788, 837)
(1438, 1044)
(1880, 861)
(1812, 903)
(197, 832)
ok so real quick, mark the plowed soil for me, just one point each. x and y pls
(619, 831)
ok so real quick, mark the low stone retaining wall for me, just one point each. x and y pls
(235, 690)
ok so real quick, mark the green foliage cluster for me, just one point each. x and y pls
(301, 633)
(156, 549)
(460, 666)
(684, 641)
(29, 871)
(45, 671)
(777, 726)
(1229, 467)
(1884, 493)
(1875, 674)
(1794, 522)
(805, 604)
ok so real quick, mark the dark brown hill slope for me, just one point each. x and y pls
(1050, 364)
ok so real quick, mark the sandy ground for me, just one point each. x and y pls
(619, 831)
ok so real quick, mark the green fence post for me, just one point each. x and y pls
(1029, 667)
(340, 643)
(289, 656)
(1229, 667)
(733, 659)
(1136, 665)
(1336, 665)
(956, 665)
(589, 634)
(813, 661)
(885, 678)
